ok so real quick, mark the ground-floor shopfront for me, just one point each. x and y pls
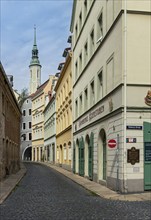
(38, 150)
(101, 154)
(63, 150)
(50, 149)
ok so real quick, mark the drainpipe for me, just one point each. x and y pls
(125, 97)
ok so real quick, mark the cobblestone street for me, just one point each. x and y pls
(44, 194)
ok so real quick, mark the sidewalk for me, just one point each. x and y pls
(7, 186)
(100, 190)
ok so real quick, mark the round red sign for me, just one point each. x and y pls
(112, 143)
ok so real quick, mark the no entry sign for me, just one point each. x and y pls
(112, 143)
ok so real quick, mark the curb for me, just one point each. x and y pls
(9, 184)
(98, 189)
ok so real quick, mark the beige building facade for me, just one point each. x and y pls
(111, 81)
(64, 115)
(38, 104)
(9, 128)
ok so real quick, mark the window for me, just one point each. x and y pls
(85, 7)
(24, 125)
(27, 101)
(85, 52)
(100, 85)
(76, 31)
(76, 108)
(30, 136)
(80, 63)
(29, 124)
(76, 70)
(92, 42)
(29, 111)
(100, 26)
(65, 153)
(24, 137)
(81, 103)
(86, 99)
(92, 94)
(24, 112)
(80, 21)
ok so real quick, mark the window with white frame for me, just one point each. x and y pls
(85, 99)
(81, 104)
(80, 62)
(29, 111)
(76, 70)
(85, 53)
(65, 152)
(24, 126)
(69, 152)
(24, 112)
(76, 108)
(100, 26)
(100, 84)
(80, 21)
(92, 42)
(92, 93)
(76, 32)
(85, 7)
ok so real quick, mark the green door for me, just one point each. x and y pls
(81, 157)
(104, 157)
(74, 157)
(90, 154)
(147, 156)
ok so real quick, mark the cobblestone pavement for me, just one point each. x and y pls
(44, 194)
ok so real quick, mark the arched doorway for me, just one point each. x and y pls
(90, 154)
(61, 155)
(81, 157)
(102, 157)
(77, 157)
(27, 154)
(74, 157)
(87, 143)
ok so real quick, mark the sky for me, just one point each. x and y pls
(17, 19)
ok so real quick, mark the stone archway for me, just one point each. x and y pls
(27, 153)
(102, 155)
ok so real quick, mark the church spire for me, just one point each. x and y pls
(34, 59)
(35, 35)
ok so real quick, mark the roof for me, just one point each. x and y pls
(9, 86)
(39, 89)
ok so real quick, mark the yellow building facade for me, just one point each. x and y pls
(64, 115)
(39, 100)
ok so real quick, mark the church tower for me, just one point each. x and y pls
(35, 68)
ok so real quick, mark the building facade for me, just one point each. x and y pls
(9, 128)
(38, 105)
(50, 127)
(111, 78)
(26, 130)
(64, 115)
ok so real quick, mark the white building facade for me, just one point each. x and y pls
(50, 131)
(26, 130)
(111, 78)
(50, 125)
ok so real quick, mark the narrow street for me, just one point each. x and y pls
(44, 194)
